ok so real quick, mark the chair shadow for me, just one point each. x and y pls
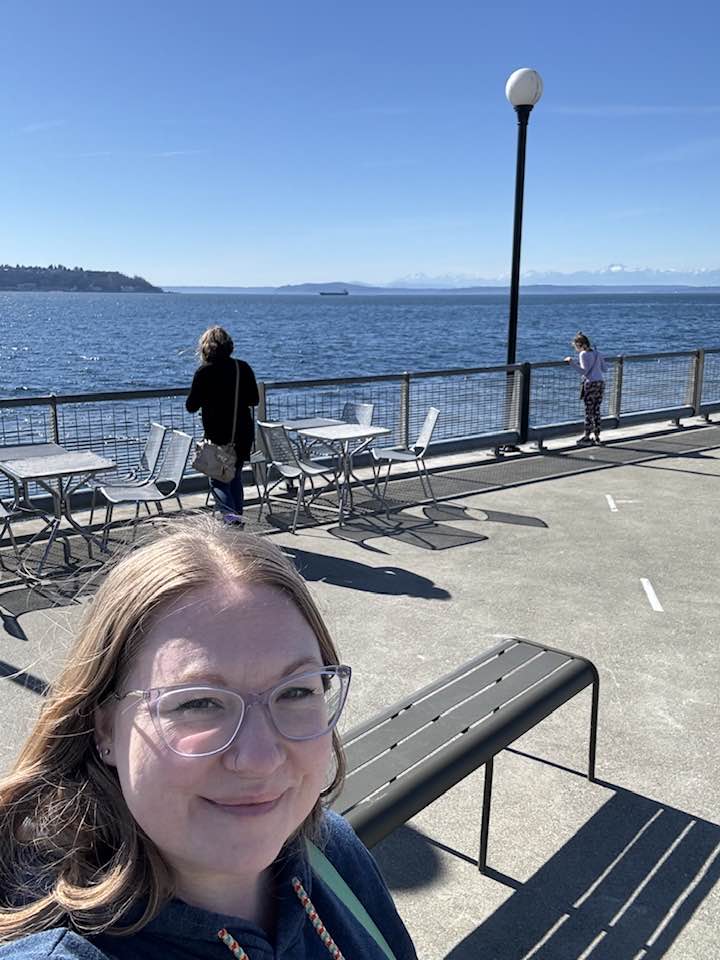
(449, 511)
(392, 581)
(415, 531)
(23, 679)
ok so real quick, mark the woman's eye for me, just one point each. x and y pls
(297, 693)
(199, 703)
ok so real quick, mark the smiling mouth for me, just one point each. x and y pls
(246, 807)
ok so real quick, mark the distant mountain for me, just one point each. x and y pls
(71, 280)
(527, 289)
(615, 275)
(614, 278)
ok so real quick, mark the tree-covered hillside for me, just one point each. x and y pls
(58, 277)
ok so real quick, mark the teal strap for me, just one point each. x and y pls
(327, 872)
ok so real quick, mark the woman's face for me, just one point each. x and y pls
(229, 814)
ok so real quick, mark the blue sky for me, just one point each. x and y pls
(270, 142)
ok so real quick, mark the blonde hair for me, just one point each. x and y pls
(215, 344)
(70, 852)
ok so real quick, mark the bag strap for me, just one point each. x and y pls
(327, 872)
(235, 408)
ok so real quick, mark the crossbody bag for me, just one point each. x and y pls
(215, 460)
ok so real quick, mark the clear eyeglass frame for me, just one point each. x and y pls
(152, 698)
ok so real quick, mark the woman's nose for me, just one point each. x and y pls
(258, 749)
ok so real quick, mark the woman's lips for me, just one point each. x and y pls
(246, 808)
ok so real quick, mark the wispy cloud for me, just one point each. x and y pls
(636, 110)
(129, 155)
(692, 150)
(176, 153)
(41, 125)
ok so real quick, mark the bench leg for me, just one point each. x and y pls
(593, 725)
(485, 823)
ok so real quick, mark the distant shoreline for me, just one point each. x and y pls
(529, 290)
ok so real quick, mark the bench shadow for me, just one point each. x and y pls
(623, 888)
(392, 581)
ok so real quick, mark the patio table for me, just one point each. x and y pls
(58, 471)
(341, 436)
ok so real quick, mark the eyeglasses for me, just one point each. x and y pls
(198, 721)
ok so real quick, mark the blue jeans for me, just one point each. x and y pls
(229, 496)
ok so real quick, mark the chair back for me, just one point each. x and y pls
(426, 432)
(361, 413)
(277, 443)
(175, 458)
(151, 451)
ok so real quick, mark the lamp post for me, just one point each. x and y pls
(523, 89)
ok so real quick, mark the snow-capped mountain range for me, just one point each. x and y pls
(616, 274)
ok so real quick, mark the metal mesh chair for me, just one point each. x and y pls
(416, 455)
(142, 473)
(358, 413)
(9, 512)
(282, 457)
(6, 517)
(169, 474)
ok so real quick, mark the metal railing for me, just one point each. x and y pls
(481, 407)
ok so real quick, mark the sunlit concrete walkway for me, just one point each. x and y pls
(608, 552)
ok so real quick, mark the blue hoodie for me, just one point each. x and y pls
(182, 932)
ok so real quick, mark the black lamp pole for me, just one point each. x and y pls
(523, 114)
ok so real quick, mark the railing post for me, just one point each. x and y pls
(405, 410)
(262, 408)
(615, 406)
(54, 425)
(524, 405)
(697, 382)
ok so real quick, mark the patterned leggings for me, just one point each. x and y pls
(592, 396)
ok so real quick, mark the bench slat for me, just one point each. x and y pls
(360, 783)
(360, 750)
(420, 694)
(375, 818)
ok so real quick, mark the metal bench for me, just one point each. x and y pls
(410, 754)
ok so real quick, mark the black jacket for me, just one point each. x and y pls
(213, 392)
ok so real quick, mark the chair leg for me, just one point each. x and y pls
(13, 543)
(387, 477)
(375, 465)
(485, 823)
(92, 506)
(421, 477)
(427, 477)
(135, 521)
(300, 496)
(106, 528)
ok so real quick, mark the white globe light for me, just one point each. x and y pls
(524, 87)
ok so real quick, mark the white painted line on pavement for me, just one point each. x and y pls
(611, 503)
(651, 595)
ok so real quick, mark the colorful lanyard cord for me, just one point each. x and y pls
(332, 948)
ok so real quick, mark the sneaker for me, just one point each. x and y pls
(597, 441)
(236, 519)
(583, 442)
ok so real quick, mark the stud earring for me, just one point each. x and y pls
(104, 752)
